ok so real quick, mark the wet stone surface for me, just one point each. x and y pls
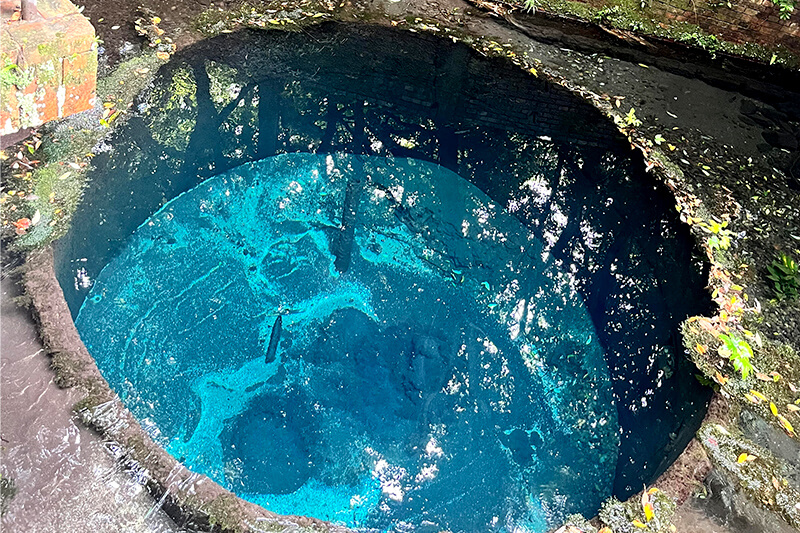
(65, 477)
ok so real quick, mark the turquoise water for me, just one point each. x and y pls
(432, 367)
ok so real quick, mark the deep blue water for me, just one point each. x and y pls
(433, 367)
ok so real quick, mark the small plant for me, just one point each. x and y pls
(631, 120)
(785, 7)
(606, 14)
(738, 351)
(785, 276)
(531, 5)
(720, 238)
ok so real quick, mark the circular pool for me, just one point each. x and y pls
(399, 286)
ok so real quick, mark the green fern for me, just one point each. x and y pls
(785, 276)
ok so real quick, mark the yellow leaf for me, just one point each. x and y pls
(773, 408)
(700, 348)
(786, 424)
(533, 71)
(605, 530)
(638, 524)
(758, 395)
(652, 491)
(752, 398)
(648, 512)
(156, 20)
(742, 458)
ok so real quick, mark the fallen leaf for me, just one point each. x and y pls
(786, 424)
(773, 408)
(758, 395)
(648, 512)
(22, 223)
(163, 56)
(752, 398)
(700, 348)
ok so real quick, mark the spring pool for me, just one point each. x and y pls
(361, 339)
(399, 287)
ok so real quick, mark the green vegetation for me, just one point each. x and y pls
(631, 120)
(786, 8)
(651, 513)
(785, 276)
(637, 16)
(738, 351)
(12, 74)
(720, 238)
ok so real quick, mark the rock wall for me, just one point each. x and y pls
(738, 21)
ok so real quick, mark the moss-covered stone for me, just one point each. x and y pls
(756, 471)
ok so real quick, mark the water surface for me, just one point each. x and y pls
(367, 340)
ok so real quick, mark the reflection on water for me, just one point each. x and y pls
(565, 175)
(429, 356)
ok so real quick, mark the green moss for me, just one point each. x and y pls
(49, 50)
(224, 83)
(224, 512)
(287, 16)
(57, 186)
(637, 16)
(756, 472)
(57, 191)
(629, 516)
(48, 74)
(12, 75)
(126, 82)
(67, 369)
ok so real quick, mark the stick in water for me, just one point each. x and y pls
(274, 339)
